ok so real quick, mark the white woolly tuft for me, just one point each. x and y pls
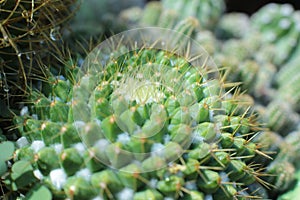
(80, 148)
(58, 178)
(125, 194)
(286, 9)
(58, 148)
(57, 99)
(153, 183)
(191, 185)
(284, 23)
(37, 173)
(79, 124)
(208, 197)
(24, 111)
(97, 198)
(22, 142)
(60, 77)
(157, 149)
(84, 173)
(167, 138)
(211, 115)
(101, 144)
(197, 138)
(168, 198)
(124, 138)
(271, 36)
(98, 122)
(35, 116)
(224, 177)
(37, 145)
(266, 19)
(187, 74)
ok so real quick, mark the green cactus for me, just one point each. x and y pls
(279, 25)
(207, 12)
(233, 25)
(166, 12)
(293, 193)
(287, 80)
(152, 122)
(292, 140)
(280, 117)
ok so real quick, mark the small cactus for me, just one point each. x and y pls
(149, 120)
(294, 192)
(233, 25)
(279, 25)
(280, 117)
(207, 12)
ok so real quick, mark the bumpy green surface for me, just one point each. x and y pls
(279, 25)
(155, 15)
(294, 192)
(233, 25)
(147, 111)
(207, 12)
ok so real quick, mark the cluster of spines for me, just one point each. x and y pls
(26, 28)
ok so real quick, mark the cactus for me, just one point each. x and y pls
(233, 25)
(287, 80)
(145, 121)
(167, 14)
(207, 12)
(154, 15)
(292, 140)
(95, 18)
(279, 25)
(294, 192)
(281, 117)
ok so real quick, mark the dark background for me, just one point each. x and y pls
(250, 6)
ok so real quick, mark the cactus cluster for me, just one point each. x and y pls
(272, 43)
(262, 56)
(167, 12)
(147, 114)
(138, 122)
(279, 25)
